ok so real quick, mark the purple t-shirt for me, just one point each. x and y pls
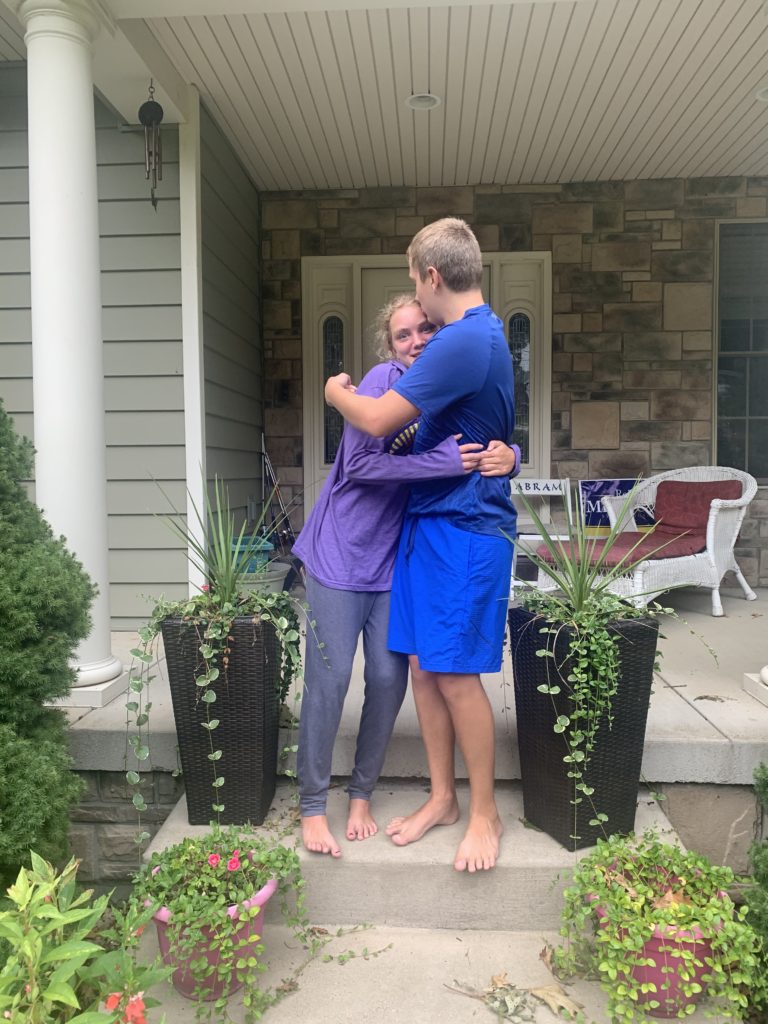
(350, 539)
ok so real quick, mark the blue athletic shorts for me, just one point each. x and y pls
(449, 596)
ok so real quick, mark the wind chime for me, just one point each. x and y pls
(151, 115)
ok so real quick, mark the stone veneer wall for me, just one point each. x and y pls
(104, 824)
(633, 278)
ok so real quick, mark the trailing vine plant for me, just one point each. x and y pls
(223, 558)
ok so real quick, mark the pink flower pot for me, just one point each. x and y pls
(213, 987)
(658, 948)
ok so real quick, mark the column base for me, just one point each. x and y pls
(92, 672)
(96, 695)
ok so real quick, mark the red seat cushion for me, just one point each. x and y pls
(651, 546)
(684, 505)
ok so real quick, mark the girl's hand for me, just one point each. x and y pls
(341, 380)
(470, 456)
(498, 459)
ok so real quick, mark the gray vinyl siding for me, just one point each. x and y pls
(143, 374)
(233, 348)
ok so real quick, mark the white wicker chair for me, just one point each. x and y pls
(652, 577)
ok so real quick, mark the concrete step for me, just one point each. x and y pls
(376, 882)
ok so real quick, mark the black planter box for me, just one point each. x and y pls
(247, 706)
(615, 762)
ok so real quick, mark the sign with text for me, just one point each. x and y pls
(591, 493)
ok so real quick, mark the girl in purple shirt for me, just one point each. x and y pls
(348, 547)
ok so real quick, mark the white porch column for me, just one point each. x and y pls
(68, 374)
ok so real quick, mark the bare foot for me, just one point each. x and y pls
(317, 837)
(360, 824)
(479, 848)
(411, 828)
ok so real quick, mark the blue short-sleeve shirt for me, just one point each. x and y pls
(462, 383)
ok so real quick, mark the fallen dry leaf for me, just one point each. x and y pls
(711, 696)
(545, 955)
(499, 980)
(557, 1000)
(670, 898)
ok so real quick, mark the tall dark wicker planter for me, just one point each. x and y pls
(247, 706)
(614, 767)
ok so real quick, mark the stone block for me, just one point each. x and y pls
(116, 842)
(753, 206)
(621, 256)
(592, 322)
(277, 315)
(541, 243)
(292, 289)
(666, 345)
(313, 242)
(595, 424)
(408, 225)
(566, 248)
(600, 286)
(717, 821)
(455, 201)
(699, 234)
(168, 787)
(673, 229)
(698, 375)
(647, 379)
(397, 245)
(286, 451)
(697, 341)
(328, 219)
(608, 464)
(635, 275)
(646, 291)
(560, 400)
(651, 430)
(82, 839)
(649, 194)
(487, 190)
(561, 362)
(608, 366)
(487, 236)
(583, 362)
(700, 187)
(757, 186)
(673, 244)
(608, 217)
(563, 218)
(687, 307)
(352, 246)
(702, 208)
(565, 322)
(660, 214)
(288, 213)
(90, 789)
(515, 238)
(283, 421)
(593, 190)
(272, 289)
(632, 316)
(634, 411)
(366, 223)
(266, 249)
(672, 455)
(399, 195)
(571, 469)
(286, 245)
(680, 405)
(561, 302)
(501, 209)
(113, 786)
(682, 266)
(592, 343)
(102, 813)
(701, 430)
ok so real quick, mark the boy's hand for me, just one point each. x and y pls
(341, 380)
(470, 456)
(498, 459)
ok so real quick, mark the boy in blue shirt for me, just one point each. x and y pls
(451, 582)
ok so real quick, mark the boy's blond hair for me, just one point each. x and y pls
(449, 246)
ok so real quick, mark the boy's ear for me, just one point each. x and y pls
(434, 278)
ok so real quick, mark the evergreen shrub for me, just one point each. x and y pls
(45, 596)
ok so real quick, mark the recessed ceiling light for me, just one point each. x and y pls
(762, 94)
(423, 101)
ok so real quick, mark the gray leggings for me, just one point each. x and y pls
(340, 617)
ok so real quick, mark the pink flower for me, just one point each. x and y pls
(205, 588)
(134, 1011)
(234, 863)
(113, 1000)
(214, 859)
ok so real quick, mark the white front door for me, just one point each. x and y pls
(340, 299)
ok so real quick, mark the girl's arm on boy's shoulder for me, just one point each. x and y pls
(446, 459)
(375, 416)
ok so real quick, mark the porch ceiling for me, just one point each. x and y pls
(532, 91)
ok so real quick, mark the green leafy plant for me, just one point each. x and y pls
(197, 880)
(657, 926)
(580, 607)
(45, 595)
(756, 891)
(72, 959)
(223, 556)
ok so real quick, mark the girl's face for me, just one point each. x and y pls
(409, 332)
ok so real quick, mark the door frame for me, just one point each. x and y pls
(342, 298)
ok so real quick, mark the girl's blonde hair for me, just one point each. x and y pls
(382, 335)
